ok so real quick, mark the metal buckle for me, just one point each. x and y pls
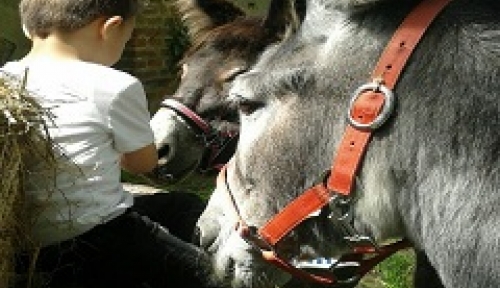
(384, 114)
(341, 215)
(346, 274)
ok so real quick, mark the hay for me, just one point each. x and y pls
(23, 141)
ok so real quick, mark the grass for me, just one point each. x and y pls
(202, 185)
(395, 272)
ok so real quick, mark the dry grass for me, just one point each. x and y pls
(23, 142)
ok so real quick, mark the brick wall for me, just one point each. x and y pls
(157, 44)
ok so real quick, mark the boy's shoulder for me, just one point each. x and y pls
(71, 68)
(91, 74)
(110, 79)
(108, 74)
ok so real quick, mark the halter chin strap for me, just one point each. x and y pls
(370, 107)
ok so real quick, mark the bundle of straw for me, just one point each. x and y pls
(23, 141)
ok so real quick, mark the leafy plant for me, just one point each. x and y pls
(177, 40)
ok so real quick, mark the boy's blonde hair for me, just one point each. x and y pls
(40, 17)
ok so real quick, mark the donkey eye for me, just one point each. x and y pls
(247, 107)
(230, 74)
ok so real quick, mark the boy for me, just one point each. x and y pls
(89, 227)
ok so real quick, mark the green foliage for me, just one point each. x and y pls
(177, 40)
(201, 184)
(397, 271)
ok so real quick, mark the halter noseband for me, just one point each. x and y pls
(215, 142)
(370, 107)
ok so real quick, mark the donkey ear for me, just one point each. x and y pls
(284, 16)
(202, 15)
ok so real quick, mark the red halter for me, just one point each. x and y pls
(189, 114)
(370, 106)
(216, 142)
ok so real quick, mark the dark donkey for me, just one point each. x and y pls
(431, 173)
(197, 127)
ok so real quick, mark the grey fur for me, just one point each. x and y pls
(431, 174)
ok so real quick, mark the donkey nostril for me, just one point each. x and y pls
(163, 151)
(230, 267)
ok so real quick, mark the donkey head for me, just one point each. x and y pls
(225, 43)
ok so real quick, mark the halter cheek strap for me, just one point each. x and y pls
(384, 77)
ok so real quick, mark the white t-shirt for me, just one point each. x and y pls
(99, 113)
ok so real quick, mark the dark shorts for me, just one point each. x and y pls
(132, 250)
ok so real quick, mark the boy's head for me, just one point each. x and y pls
(41, 17)
(89, 30)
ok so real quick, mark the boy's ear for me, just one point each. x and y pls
(110, 24)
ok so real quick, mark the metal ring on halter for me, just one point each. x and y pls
(384, 113)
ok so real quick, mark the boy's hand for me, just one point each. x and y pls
(140, 161)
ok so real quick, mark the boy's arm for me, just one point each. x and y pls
(132, 134)
(140, 161)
